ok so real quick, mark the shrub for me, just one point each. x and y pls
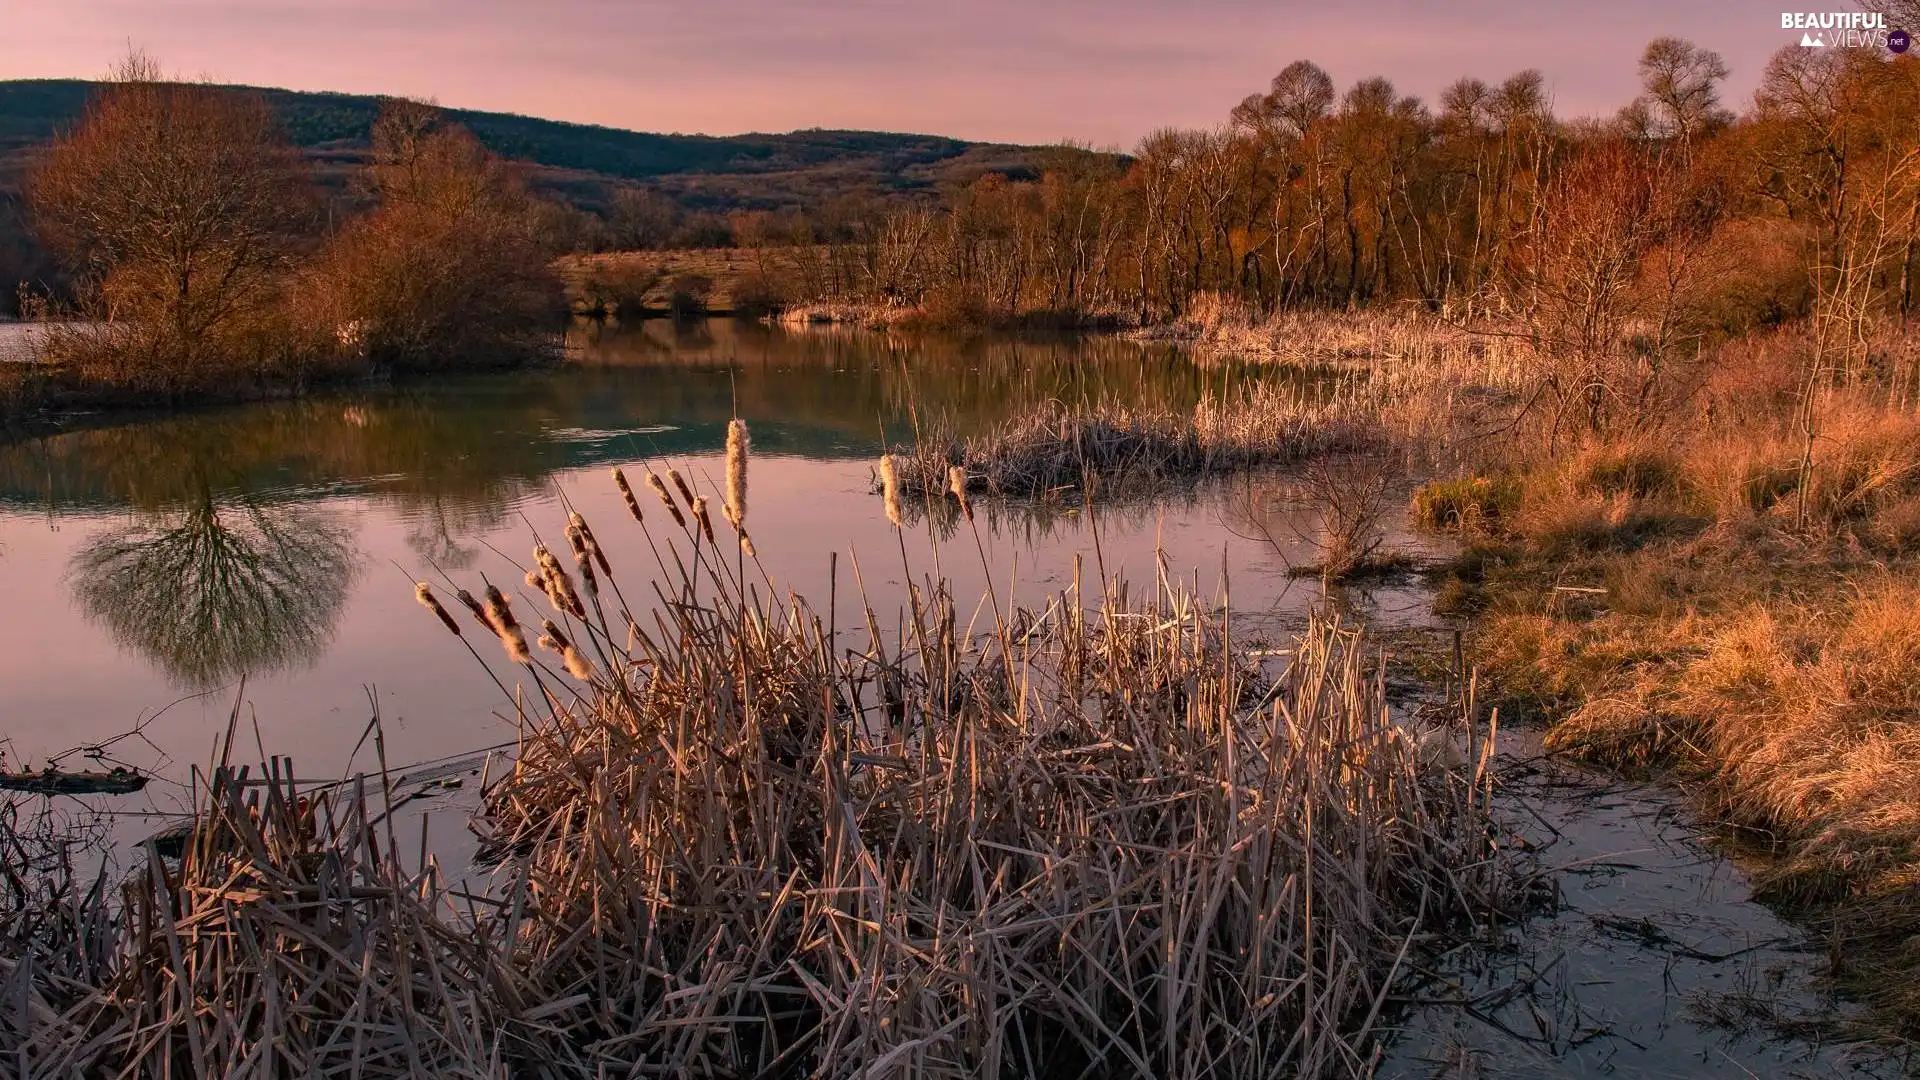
(1470, 503)
(687, 295)
(448, 270)
(1639, 471)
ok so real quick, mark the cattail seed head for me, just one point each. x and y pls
(576, 664)
(500, 618)
(746, 546)
(626, 492)
(890, 488)
(660, 489)
(559, 584)
(534, 581)
(587, 578)
(473, 607)
(424, 593)
(700, 515)
(738, 442)
(680, 485)
(957, 483)
(592, 542)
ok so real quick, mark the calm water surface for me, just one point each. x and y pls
(151, 567)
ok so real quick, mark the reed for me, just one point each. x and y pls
(1060, 447)
(1103, 840)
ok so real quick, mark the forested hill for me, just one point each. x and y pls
(791, 165)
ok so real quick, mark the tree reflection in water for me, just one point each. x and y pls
(211, 592)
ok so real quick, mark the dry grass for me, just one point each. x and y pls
(1061, 447)
(744, 838)
(1703, 605)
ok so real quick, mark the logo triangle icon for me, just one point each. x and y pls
(1808, 41)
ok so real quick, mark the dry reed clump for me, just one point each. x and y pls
(1469, 504)
(1059, 447)
(1096, 839)
(286, 939)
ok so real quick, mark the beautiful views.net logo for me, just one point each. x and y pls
(1845, 30)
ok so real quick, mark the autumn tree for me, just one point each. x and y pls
(178, 207)
(448, 269)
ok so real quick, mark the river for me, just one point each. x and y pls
(166, 574)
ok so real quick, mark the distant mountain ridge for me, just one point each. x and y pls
(32, 111)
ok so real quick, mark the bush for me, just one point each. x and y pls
(1469, 503)
(687, 295)
(447, 271)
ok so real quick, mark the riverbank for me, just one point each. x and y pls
(1728, 606)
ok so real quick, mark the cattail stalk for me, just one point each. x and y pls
(680, 484)
(626, 492)
(559, 584)
(738, 443)
(593, 545)
(957, 483)
(576, 664)
(499, 615)
(700, 515)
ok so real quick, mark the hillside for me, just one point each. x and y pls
(701, 172)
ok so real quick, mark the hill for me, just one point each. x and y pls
(701, 172)
(695, 179)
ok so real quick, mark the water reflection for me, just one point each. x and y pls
(457, 454)
(211, 592)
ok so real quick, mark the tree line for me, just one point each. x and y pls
(1484, 203)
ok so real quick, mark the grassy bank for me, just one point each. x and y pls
(743, 836)
(1722, 602)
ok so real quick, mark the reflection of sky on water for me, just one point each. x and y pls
(279, 541)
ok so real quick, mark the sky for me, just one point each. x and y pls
(1104, 72)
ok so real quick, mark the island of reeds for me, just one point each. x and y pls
(742, 835)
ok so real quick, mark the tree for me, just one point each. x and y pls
(1681, 81)
(448, 269)
(178, 208)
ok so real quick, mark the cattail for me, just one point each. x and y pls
(957, 483)
(890, 486)
(587, 578)
(681, 486)
(700, 515)
(534, 581)
(559, 584)
(593, 545)
(626, 492)
(473, 607)
(424, 593)
(660, 489)
(737, 443)
(500, 617)
(576, 664)
(746, 546)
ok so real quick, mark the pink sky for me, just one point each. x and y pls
(1100, 71)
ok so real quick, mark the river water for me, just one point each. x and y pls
(166, 574)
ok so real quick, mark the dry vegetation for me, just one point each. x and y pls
(1729, 601)
(740, 838)
(201, 267)
(1059, 447)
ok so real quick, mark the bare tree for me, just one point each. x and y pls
(178, 207)
(1682, 84)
